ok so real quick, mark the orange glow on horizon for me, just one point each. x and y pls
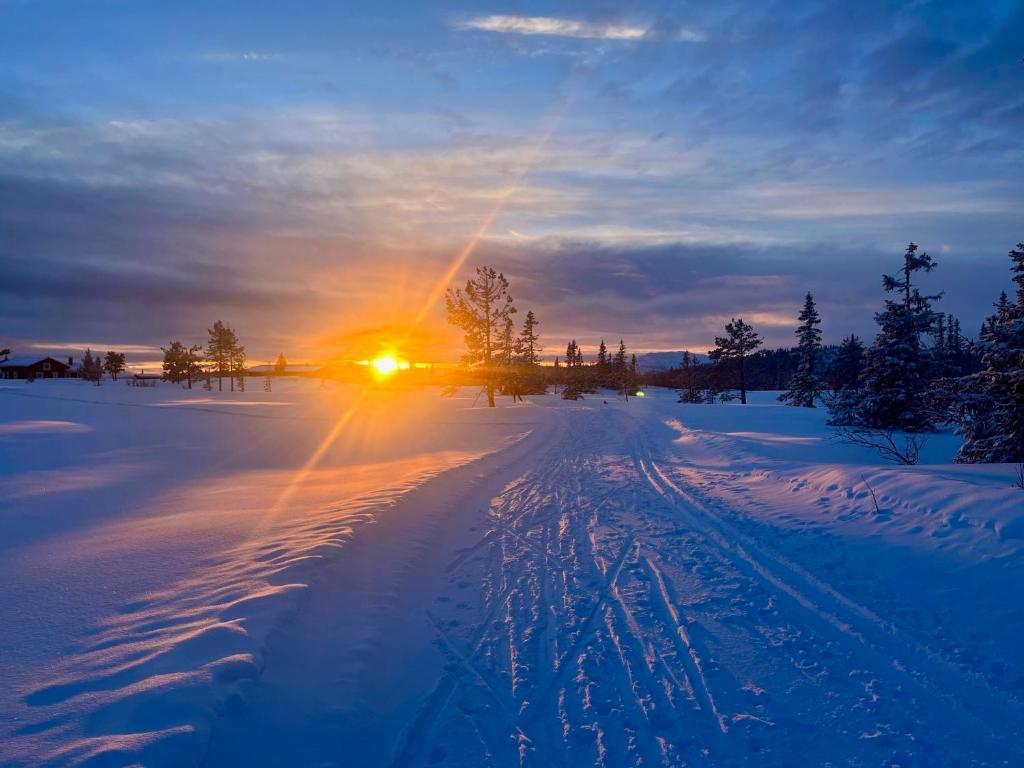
(386, 365)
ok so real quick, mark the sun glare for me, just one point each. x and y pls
(385, 365)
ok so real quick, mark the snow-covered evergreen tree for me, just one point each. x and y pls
(806, 385)
(844, 378)
(897, 368)
(989, 405)
(846, 368)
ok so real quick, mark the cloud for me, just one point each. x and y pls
(249, 56)
(554, 27)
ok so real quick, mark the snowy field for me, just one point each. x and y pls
(321, 576)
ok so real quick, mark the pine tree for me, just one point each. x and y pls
(114, 363)
(898, 368)
(481, 311)
(193, 363)
(224, 353)
(174, 362)
(739, 341)
(507, 344)
(236, 361)
(805, 387)
(988, 406)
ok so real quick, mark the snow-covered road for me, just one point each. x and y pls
(591, 583)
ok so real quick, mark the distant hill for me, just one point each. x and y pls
(651, 362)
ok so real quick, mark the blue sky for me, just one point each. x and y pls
(307, 170)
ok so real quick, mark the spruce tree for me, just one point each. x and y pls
(604, 364)
(898, 368)
(805, 387)
(689, 392)
(571, 350)
(739, 341)
(91, 368)
(573, 387)
(989, 405)
(528, 338)
(847, 367)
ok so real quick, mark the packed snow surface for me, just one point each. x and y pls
(321, 575)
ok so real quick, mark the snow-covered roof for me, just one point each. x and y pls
(22, 361)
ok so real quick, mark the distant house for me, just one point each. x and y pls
(28, 367)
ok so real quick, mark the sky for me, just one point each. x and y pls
(311, 172)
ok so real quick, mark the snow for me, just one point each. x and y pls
(554, 583)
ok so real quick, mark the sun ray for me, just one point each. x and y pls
(533, 155)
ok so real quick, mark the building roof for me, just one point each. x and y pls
(23, 361)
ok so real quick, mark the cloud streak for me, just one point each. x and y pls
(550, 26)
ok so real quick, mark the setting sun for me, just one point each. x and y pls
(385, 365)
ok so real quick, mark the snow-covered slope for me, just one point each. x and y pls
(556, 583)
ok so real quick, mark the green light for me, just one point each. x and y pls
(640, 394)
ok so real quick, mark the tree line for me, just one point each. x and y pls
(919, 373)
(223, 357)
(506, 362)
(93, 367)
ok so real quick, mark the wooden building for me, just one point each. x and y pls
(28, 367)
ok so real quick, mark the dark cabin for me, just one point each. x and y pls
(27, 367)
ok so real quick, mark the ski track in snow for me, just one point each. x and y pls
(641, 627)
